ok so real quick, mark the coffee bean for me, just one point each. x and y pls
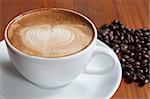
(131, 60)
(131, 54)
(146, 81)
(144, 64)
(131, 47)
(145, 48)
(137, 63)
(139, 58)
(117, 50)
(145, 56)
(145, 69)
(139, 46)
(140, 70)
(116, 22)
(136, 66)
(127, 51)
(107, 42)
(142, 42)
(122, 37)
(129, 66)
(118, 33)
(148, 52)
(105, 32)
(117, 41)
(144, 61)
(141, 84)
(126, 41)
(147, 33)
(143, 52)
(129, 80)
(126, 56)
(131, 39)
(123, 60)
(104, 26)
(134, 78)
(142, 77)
(112, 27)
(147, 44)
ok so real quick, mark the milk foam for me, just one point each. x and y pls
(53, 40)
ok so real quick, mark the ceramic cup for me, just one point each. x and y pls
(57, 72)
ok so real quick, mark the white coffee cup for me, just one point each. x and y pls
(57, 72)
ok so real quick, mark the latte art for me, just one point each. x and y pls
(49, 40)
(48, 37)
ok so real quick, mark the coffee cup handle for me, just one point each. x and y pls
(99, 50)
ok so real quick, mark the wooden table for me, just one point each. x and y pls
(132, 13)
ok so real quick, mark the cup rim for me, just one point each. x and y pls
(61, 57)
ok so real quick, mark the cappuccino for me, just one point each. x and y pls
(50, 33)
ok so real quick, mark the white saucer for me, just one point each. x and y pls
(14, 86)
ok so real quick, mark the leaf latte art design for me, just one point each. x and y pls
(58, 40)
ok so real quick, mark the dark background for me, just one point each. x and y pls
(132, 13)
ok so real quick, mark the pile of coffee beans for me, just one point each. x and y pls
(132, 48)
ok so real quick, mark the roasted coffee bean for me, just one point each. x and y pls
(118, 33)
(131, 60)
(146, 81)
(142, 77)
(136, 66)
(134, 77)
(143, 52)
(147, 44)
(145, 69)
(117, 50)
(126, 56)
(125, 41)
(122, 37)
(127, 51)
(144, 61)
(112, 27)
(129, 66)
(143, 64)
(117, 41)
(137, 63)
(139, 46)
(107, 42)
(123, 47)
(140, 70)
(131, 54)
(104, 26)
(145, 56)
(123, 60)
(116, 22)
(106, 32)
(141, 84)
(139, 58)
(148, 52)
(142, 42)
(131, 40)
(132, 48)
(111, 38)
(145, 48)
(129, 80)
(111, 34)
(147, 33)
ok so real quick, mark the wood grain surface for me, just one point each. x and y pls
(132, 13)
